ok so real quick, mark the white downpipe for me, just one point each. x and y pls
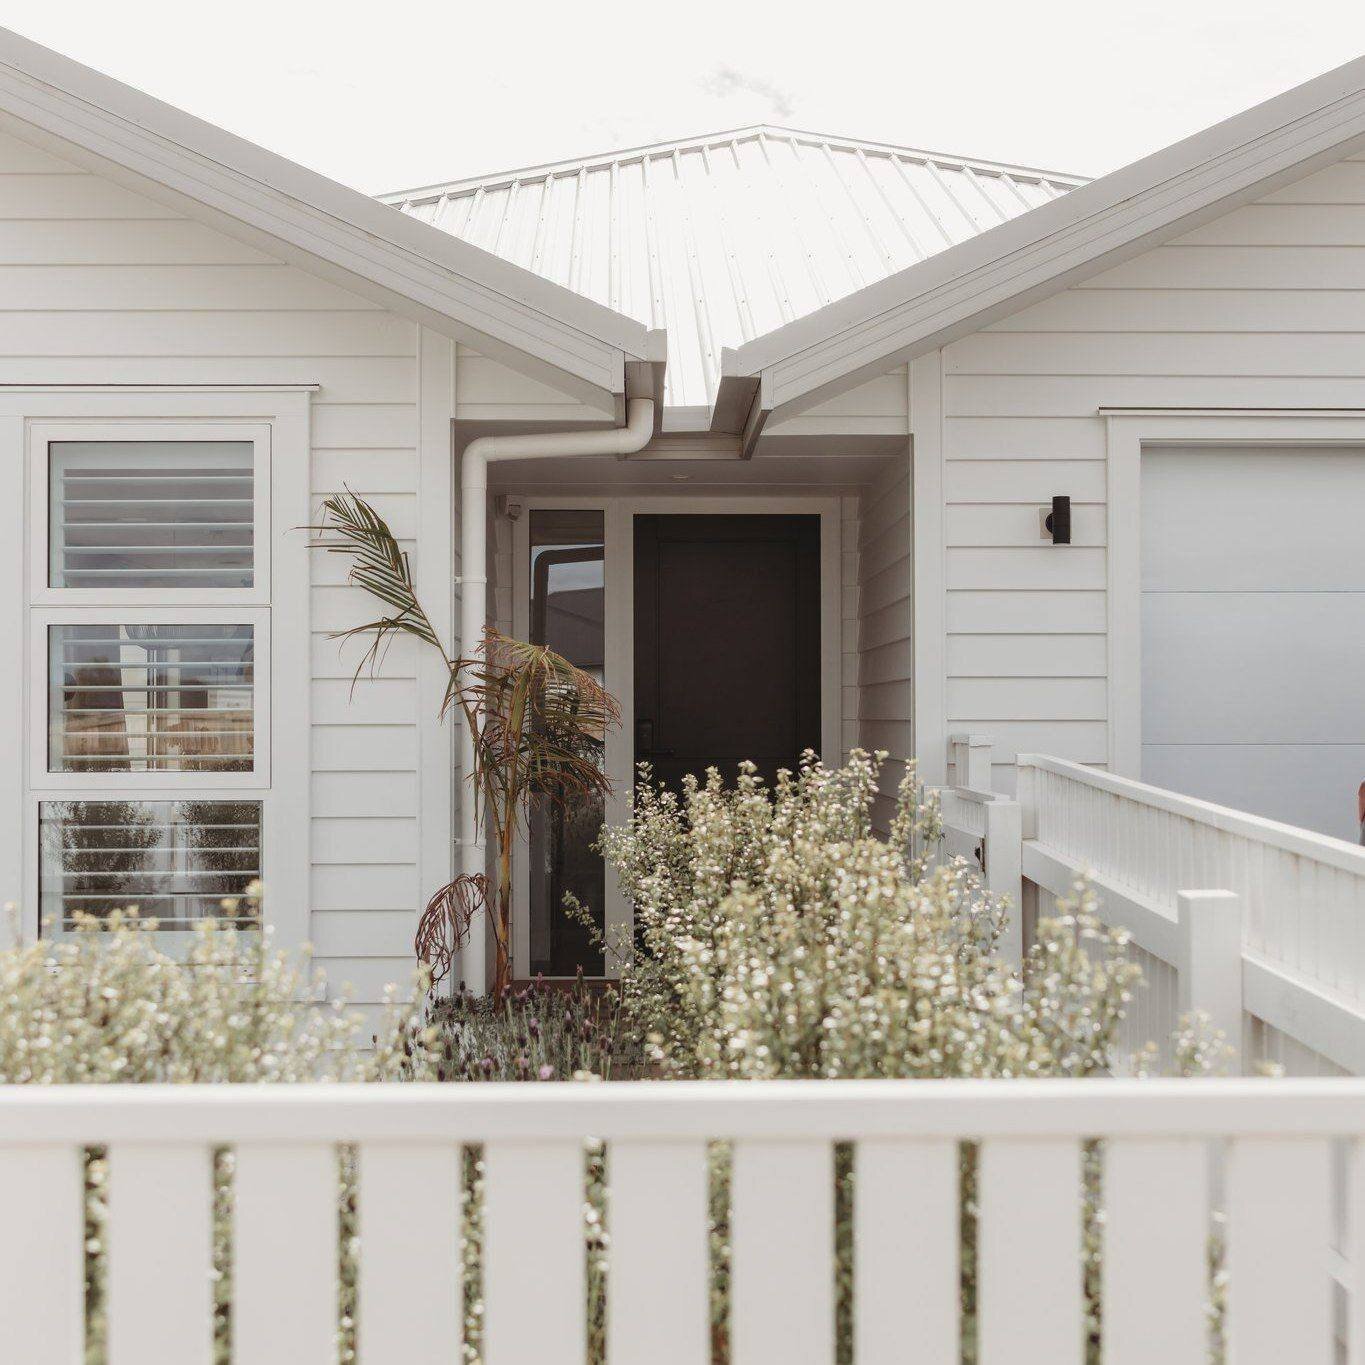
(478, 455)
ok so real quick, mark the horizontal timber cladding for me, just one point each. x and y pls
(885, 582)
(1259, 308)
(98, 285)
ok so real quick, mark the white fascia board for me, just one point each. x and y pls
(330, 229)
(1086, 231)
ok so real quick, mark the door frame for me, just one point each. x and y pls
(1128, 432)
(619, 512)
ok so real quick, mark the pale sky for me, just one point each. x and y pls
(398, 94)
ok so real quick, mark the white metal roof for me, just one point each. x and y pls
(723, 238)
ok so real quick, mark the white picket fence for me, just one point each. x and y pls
(906, 1134)
(1258, 924)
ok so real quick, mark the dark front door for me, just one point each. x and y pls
(727, 642)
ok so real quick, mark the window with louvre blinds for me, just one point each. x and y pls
(150, 650)
(151, 514)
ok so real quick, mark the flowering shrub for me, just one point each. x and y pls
(109, 1005)
(778, 936)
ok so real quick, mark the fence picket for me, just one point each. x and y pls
(285, 1255)
(1155, 1194)
(534, 1285)
(1353, 1242)
(905, 1223)
(160, 1253)
(657, 1290)
(1029, 1251)
(1279, 1231)
(410, 1303)
(42, 1251)
(782, 1250)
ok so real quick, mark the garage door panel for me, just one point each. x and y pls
(1312, 786)
(1253, 667)
(1253, 629)
(1237, 521)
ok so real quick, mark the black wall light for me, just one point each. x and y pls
(1058, 521)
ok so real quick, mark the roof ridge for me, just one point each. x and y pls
(616, 156)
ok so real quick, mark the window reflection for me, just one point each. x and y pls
(567, 594)
(150, 698)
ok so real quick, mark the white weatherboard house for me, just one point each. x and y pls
(768, 424)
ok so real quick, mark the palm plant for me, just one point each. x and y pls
(538, 724)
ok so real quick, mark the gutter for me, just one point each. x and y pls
(478, 455)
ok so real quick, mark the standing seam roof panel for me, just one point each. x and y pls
(722, 238)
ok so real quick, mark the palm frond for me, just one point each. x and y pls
(379, 565)
(537, 723)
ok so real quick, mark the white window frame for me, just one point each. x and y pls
(276, 417)
(44, 434)
(44, 779)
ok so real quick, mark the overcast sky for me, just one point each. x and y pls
(397, 94)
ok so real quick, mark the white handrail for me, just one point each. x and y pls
(1306, 843)
(1301, 895)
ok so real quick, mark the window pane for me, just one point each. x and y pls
(567, 597)
(150, 699)
(175, 860)
(151, 514)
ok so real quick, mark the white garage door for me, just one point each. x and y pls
(1253, 630)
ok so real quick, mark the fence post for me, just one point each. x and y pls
(1004, 876)
(971, 755)
(1210, 966)
(1026, 792)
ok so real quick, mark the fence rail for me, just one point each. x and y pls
(1284, 975)
(906, 1218)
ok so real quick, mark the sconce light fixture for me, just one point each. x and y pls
(1057, 523)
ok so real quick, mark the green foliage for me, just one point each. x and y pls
(537, 723)
(778, 936)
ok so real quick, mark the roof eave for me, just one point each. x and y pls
(301, 216)
(1090, 229)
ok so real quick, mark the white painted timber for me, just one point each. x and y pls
(1279, 1304)
(1024, 404)
(285, 1230)
(1156, 1138)
(150, 153)
(42, 1252)
(117, 290)
(411, 1302)
(533, 1235)
(1156, 1233)
(1210, 962)
(161, 1259)
(885, 658)
(782, 1252)
(1298, 964)
(1187, 186)
(906, 1215)
(1029, 1250)
(658, 1295)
